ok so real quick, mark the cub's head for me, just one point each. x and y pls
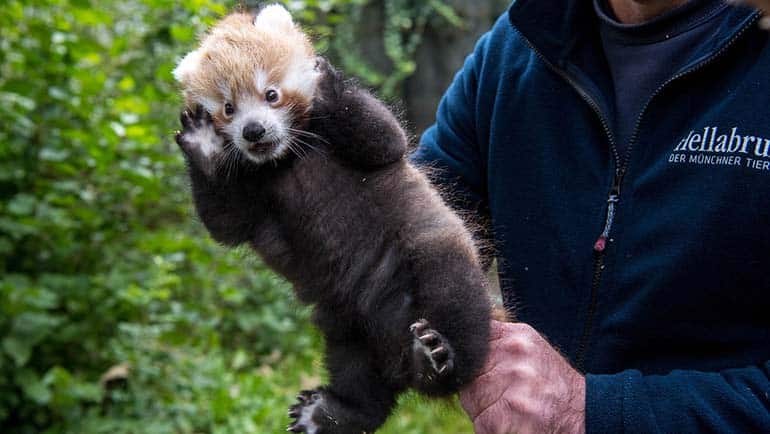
(257, 77)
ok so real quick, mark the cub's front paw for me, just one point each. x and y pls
(330, 85)
(199, 141)
(433, 355)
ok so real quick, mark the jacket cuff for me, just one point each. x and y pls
(604, 402)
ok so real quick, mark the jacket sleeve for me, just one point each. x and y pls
(731, 401)
(451, 147)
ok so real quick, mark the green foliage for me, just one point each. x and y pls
(340, 25)
(404, 22)
(101, 260)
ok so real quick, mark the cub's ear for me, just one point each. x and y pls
(187, 66)
(274, 17)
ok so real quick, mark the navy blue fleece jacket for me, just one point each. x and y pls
(649, 269)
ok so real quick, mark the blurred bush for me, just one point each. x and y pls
(102, 264)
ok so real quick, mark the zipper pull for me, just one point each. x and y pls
(601, 243)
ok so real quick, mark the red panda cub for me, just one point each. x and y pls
(309, 170)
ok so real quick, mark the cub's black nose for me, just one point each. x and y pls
(253, 131)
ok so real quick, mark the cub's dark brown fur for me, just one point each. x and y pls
(392, 273)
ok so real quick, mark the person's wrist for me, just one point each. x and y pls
(575, 409)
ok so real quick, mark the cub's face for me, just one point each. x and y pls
(257, 78)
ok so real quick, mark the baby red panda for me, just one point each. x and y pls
(256, 78)
(309, 170)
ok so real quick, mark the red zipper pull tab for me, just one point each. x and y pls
(601, 243)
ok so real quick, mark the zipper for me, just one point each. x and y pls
(612, 201)
(621, 167)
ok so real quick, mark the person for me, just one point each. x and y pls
(620, 151)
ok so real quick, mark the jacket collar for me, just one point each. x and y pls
(562, 31)
(676, 21)
(566, 35)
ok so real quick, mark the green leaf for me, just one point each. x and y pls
(22, 205)
(28, 329)
(182, 33)
(34, 388)
(446, 12)
(17, 349)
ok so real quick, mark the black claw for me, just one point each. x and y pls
(439, 354)
(447, 367)
(429, 339)
(304, 396)
(296, 428)
(418, 327)
(186, 119)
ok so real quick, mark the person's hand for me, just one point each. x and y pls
(526, 386)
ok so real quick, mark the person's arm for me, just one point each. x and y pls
(735, 400)
(526, 386)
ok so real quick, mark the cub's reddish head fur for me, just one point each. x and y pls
(256, 76)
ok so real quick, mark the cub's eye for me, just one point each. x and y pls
(272, 96)
(229, 109)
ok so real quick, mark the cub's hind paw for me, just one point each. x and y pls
(199, 140)
(304, 412)
(320, 412)
(433, 355)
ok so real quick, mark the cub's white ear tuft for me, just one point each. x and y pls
(274, 17)
(187, 66)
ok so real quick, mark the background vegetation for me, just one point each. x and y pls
(103, 267)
